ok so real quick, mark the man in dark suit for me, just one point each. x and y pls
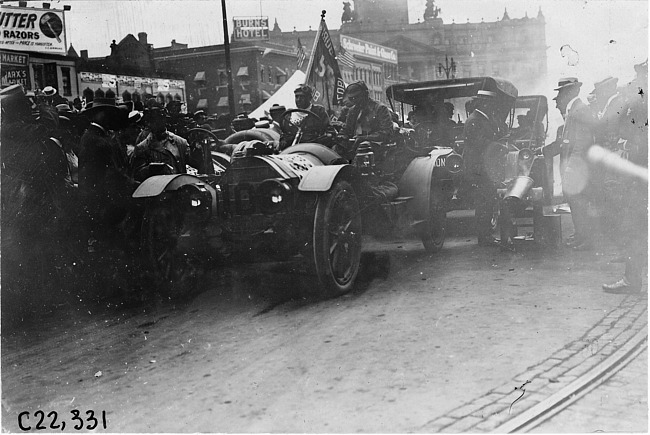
(577, 177)
(482, 131)
(104, 185)
(367, 120)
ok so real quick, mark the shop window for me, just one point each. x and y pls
(67, 84)
(222, 77)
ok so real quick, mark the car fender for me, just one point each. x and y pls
(416, 182)
(321, 178)
(157, 184)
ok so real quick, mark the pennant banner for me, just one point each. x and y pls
(323, 73)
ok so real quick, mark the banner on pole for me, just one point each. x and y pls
(323, 73)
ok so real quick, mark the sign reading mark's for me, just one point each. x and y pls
(15, 69)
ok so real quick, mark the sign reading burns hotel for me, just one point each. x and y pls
(368, 49)
(251, 28)
(32, 29)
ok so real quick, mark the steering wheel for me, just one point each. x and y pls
(291, 128)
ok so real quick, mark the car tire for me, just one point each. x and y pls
(435, 228)
(172, 270)
(337, 239)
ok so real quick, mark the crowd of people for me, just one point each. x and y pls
(606, 202)
(72, 169)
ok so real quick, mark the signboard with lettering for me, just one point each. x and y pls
(250, 29)
(131, 84)
(15, 69)
(32, 29)
(369, 50)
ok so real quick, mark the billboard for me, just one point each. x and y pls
(32, 29)
(369, 50)
(250, 29)
(15, 69)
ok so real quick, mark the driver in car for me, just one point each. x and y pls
(367, 120)
(312, 128)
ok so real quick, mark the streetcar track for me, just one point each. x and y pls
(559, 401)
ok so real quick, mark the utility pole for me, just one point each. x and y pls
(226, 46)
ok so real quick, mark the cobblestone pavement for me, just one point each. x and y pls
(620, 404)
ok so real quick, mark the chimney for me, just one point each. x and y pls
(142, 37)
(84, 54)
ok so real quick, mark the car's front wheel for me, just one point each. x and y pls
(337, 239)
(173, 267)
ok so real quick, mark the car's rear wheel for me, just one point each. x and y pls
(337, 239)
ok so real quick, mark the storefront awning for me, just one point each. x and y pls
(245, 99)
(203, 104)
(280, 71)
(243, 72)
(265, 95)
(200, 76)
(223, 102)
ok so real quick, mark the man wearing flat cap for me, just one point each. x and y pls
(311, 127)
(160, 145)
(367, 119)
(482, 131)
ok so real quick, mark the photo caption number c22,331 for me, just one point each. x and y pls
(75, 420)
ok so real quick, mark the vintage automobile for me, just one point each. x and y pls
(524, 176)
(304, 203)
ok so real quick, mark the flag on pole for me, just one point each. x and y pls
(301, 56)
(323, 72)
(345, 58)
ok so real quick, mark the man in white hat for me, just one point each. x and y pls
(577, 178)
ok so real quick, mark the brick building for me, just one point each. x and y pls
(259, 68)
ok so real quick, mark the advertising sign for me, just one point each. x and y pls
(15, 69)
(250, 29)
(368, 49)
(32, 29)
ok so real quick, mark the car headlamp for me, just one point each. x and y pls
(196, 201)
(454, 163)
(273, 196)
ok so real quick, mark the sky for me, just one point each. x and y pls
(610, 36)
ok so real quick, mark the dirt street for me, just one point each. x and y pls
(420, 336)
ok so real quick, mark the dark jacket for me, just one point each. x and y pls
(153, 150)
(481, 134)
(103, 170)
(373, 120)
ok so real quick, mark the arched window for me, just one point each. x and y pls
(88, 95)
(126, 96)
